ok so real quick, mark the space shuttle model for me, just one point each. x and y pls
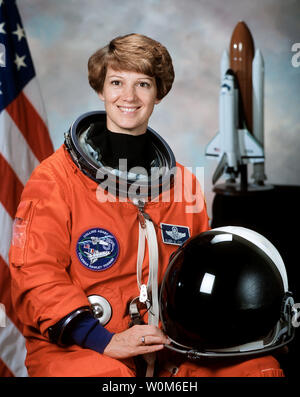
(240, 139)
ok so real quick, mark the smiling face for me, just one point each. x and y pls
(129, 99)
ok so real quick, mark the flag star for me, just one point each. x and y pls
(2, 27)
(2, 59)
(1, 93)
(19, 61)
(19, 32)
(1, 2)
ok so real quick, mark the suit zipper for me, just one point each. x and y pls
(142, 215)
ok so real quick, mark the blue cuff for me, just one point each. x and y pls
(90, 334)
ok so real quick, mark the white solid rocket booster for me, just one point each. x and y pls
(258, 111)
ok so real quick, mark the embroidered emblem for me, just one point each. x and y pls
(19, 233)
(174, 234)
(97, 249)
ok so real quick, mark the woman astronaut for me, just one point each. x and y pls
(97, 223)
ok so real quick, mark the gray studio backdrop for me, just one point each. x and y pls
(62, 34)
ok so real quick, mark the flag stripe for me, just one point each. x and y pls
(5, 294)
(11, 190)
(6, 232)
(25, 117)
(4, 371)
(15, 149)
(12, 345)
(33, 93)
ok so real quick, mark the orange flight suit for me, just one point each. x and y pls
(51, 275)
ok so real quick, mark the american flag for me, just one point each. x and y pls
(24, 143)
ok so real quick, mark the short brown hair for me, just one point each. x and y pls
(133, 52)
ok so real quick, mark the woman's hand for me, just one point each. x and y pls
(139, 339)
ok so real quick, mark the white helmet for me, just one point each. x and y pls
(225, 293)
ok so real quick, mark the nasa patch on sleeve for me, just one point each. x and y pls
(174, 234)
(97, 249)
